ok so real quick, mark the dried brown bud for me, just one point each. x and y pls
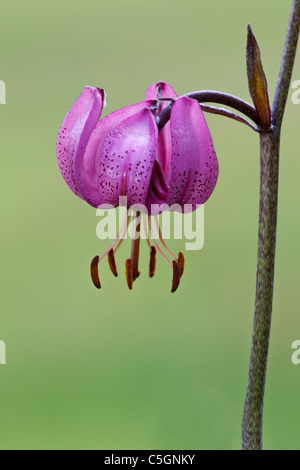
(258, 85)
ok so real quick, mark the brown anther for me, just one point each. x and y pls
(176, 276)
(95, 273)
(136, 274)
(152, 263)
(181, 262)
(135, 252)
(112, 262)
(129, 273)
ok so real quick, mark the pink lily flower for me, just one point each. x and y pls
(123, 154)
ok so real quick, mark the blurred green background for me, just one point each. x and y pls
(114, 369)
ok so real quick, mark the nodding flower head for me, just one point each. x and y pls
(124, 156)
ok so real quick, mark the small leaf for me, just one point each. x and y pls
(258, 85)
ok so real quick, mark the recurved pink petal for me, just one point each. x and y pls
(87, 170)
(75, 132)
(127, 159)
(194, 161)
(161, 177)
(160, 90)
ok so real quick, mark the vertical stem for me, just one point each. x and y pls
(269, 161)
(253, 411)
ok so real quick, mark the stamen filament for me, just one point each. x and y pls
(162, 240)
(146, 228)
(123, 227)
(156, 243)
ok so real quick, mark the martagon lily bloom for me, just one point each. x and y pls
(123, 155)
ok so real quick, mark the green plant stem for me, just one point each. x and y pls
(269, 164)
(253, 410)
